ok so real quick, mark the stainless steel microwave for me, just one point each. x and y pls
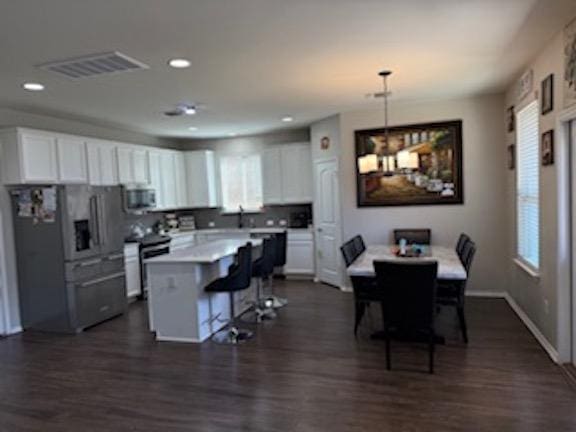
(139, 198)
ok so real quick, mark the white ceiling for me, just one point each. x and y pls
(255, 61)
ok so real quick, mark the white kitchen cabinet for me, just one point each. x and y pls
(132, 269)
(180, 180)
(72, 160)
(28, 156)
(155, 168)
(300, 253)
(272, 176)
(296, 173)
(140, 166)
(201, 179)
(287, 174)
(101, 163)
(132, 165)
(168, 179)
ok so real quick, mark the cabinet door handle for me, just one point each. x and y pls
(88, 263)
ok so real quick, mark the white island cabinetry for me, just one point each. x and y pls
(300, 253)
(180, 309)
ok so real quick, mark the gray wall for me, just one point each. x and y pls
(483, 213)
(249, 143)
(529, 292)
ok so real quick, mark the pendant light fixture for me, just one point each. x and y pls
(388, 162)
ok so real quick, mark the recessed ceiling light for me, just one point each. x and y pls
(30, 86)
(232, 134)
(189, 110)
(179, 63)
(192, 128)
(287, 119)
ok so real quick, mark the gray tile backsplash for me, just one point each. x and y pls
(204, 217)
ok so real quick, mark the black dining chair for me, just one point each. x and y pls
(462, 240)
(363, 287)
(408, 291)
(359, 244)
(420, 236)
(453, 293)
(281, 241)
(238, 278)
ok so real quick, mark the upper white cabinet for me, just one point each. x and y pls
(72, 160)
(168, 180)
(102, 164)
(272, 175)
(155, 168)
(287, 174)
(132, 165)
(201, 179)
(28, 157)
(180, 180)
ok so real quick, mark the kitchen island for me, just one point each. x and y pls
(179, 308)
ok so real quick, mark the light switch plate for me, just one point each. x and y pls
(282, 222)
(270, 222)
(211, 224)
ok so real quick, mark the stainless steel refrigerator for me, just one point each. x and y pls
(69, 243)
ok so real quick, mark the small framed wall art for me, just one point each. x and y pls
(547, 95)
(547, 148)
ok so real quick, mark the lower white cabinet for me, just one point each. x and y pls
(300, 253)
(132, 268)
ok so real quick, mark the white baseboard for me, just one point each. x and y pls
(489, 294)
(533, 328)
(14, 330)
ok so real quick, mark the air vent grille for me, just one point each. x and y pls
(94, 65)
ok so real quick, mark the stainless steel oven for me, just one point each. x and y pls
(151, 247)
(139, 198)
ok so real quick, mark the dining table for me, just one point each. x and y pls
(449, 265)
(450, 268)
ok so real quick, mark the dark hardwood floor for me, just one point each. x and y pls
(303, 372)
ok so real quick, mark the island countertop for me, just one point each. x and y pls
(205, 253)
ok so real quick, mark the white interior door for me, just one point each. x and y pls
(327, 221)
(3, 290)
(572, 148)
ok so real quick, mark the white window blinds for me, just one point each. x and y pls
(241, 182)
(527, 185)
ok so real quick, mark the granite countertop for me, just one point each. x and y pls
(449, 265)
(206, 253)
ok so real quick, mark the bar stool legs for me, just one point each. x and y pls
(277, 302)
(262, 308)
(231, 334)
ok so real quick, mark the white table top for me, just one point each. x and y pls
(205, 253)
(449, 265)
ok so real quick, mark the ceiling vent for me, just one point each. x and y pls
(94, 65)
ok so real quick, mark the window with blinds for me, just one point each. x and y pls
(241, 182)
(527, 185)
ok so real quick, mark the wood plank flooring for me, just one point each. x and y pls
(303, 372)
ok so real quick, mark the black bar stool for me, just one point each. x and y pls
(238, 278)
(262, 269)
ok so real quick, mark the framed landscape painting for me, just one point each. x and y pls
(410, 165)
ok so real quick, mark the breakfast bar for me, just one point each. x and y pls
(179, 308)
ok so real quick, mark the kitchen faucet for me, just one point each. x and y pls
(240, 217)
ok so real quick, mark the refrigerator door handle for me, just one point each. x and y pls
(101, 232)
(102, 279)
(94, 225)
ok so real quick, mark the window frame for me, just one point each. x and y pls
(521, 259)
(245, 188)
